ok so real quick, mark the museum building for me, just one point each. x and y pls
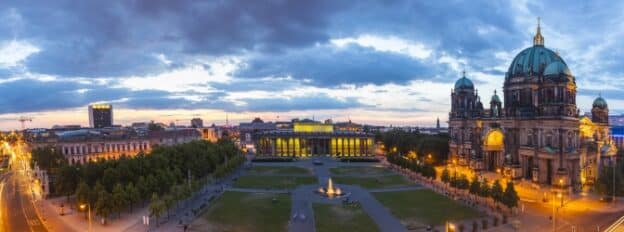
(311, 138)
(536, 133)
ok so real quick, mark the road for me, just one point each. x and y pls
(17, 211)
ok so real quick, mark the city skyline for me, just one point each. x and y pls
(377, 63)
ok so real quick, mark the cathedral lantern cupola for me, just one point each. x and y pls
(600, 110)
(464, 99)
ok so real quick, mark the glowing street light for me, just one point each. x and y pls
(88, 206)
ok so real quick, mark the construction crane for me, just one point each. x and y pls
(23, 120)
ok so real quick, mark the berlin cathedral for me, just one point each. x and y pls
(537, 132)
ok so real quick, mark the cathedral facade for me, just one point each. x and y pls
(536, 133)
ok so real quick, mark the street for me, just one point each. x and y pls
(17, 211)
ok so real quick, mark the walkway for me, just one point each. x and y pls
(304, 196)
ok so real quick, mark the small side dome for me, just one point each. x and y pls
(600, 103)
(464, 83)
(495, 98)
(557, 68)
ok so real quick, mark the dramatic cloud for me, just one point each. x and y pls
(374, 58)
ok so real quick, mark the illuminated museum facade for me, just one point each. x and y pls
(537, 132)
(311, 138)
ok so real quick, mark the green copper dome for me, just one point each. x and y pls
(464, 83)
(533, 61)
(557, 68)
(600, 103)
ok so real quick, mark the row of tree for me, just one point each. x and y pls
(508, 197)
(434, 148)
(171, 173)
(607, 180)
(424, 168)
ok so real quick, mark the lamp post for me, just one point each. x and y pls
(88, 206)
(553, 215)
(613, 199)
(561, 186)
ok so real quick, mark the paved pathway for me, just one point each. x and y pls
(304, 196)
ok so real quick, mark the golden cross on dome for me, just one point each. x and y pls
(538, 39)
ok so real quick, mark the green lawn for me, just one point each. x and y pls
(331, 218)
(372, 182)
(274, 182)
(360, 171)
(272, 170)
(424, 207)
(237, 211)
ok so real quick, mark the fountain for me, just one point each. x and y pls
(330, 191)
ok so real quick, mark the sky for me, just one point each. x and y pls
(381, 62)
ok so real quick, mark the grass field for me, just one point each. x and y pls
(274, 170)
(274, 182)
(372, 182)
(360, 171)
(331, 218)
(424, 207)
(237, 211)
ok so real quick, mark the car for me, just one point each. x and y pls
(318, 162)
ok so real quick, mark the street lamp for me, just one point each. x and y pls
(88, 206)
(450, 227)
(561, 194)
(553, 215)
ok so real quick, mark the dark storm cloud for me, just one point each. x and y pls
(278, 38)
(103, 38)
(318, 102)
(326, 66)
(28, 95)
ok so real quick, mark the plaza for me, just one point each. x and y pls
(376, 198)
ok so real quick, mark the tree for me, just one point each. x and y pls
(462, 182)
(47, 158)
(119, 199)
(155, 207)
(485, 189)
(132, 195)
(66, 180)
(82, 194)
(104, 204)
(497, 191)
(143, 188)
(95, 193)
(475, 185)
(510, 197)
(604, 183)
(446, 177)
(168, 202)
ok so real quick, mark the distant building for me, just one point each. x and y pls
(197, 123)
(210, 133)
(617, 134)
(100, 115)
(87, 144)
(616, 120)
(347, 126)
(249, 130)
